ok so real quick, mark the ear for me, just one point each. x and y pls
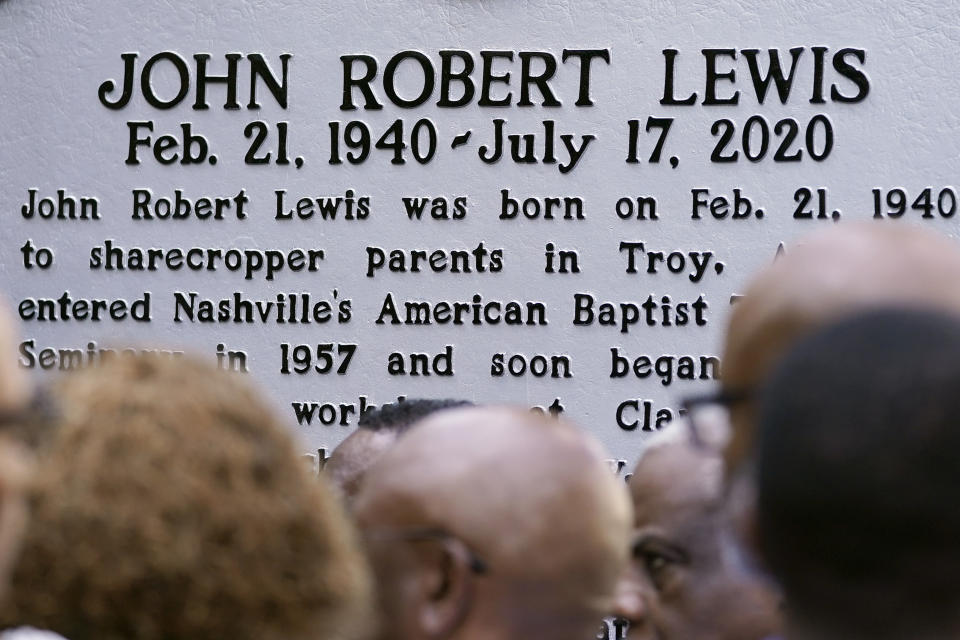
(446, 589)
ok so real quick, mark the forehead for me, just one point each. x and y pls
(673, 484)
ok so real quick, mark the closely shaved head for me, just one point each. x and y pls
(353, 456)
(831, 274)
(857, 477)
(531, 496)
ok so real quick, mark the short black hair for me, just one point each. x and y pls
(858, 474)
(400, 416)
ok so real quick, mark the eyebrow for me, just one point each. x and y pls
(660, 543)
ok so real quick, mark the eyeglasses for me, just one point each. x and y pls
(456, 546)
(708, 416)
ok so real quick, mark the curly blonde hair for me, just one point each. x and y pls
(173, 505)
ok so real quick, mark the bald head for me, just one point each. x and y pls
(529, 495)
(377, 431)
(831, 274)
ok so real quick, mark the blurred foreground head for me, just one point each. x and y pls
(494, 523)
(15, 388)
(16, 418)
(686, 579)
(828, 275)
(377, 431)
(858, 478)
(172, 504)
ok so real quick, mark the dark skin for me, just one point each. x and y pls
(681, 579)
(352, 457)
(684, 567)
(832, 273)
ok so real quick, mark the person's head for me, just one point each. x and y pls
(831, 273)
(377, 431)
(15, 386)
(20, 425)
(173, 504)
(857, 477)
(686, 578)
(16, 468)
(494, 523)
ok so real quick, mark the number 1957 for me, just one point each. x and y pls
(304, 357)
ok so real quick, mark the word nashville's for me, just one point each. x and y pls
(305, 308)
